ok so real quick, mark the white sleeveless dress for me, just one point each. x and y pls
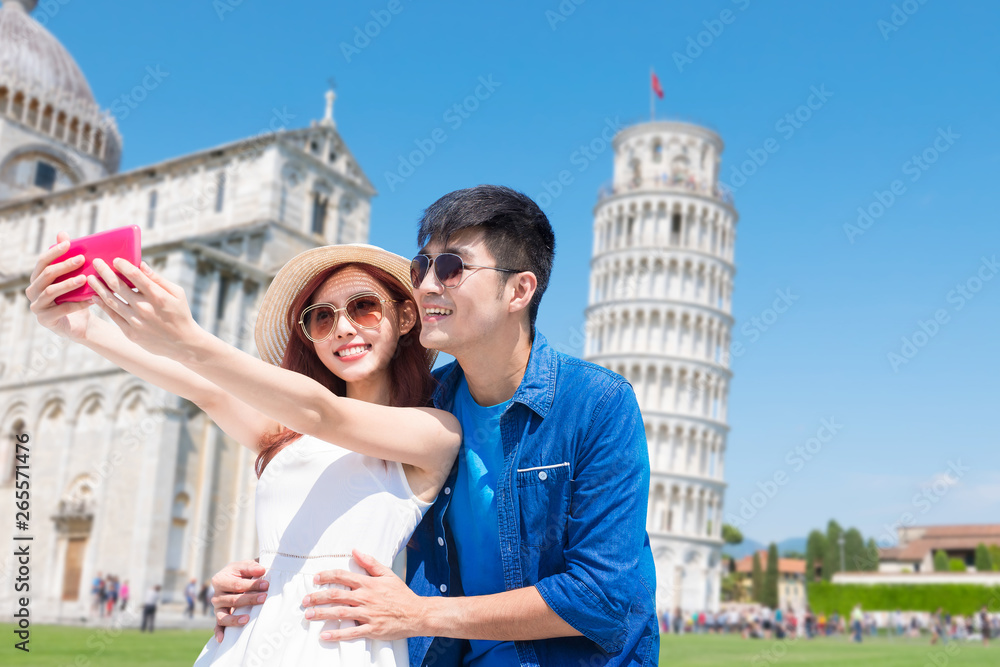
(315, 502)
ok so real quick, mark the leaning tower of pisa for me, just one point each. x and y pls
(659, 314)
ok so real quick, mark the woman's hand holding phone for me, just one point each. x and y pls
(69, 319)
(107, 246)
(156, 316)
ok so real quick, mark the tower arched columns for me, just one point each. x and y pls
(672, 385)
(691, 277)
(658, 219)
(670, 436)
(686, 506)
(670, 328)
(655, 203)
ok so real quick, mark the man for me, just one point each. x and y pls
(535, 551)
(940, 623)
(149, 608)
(102, 595)
(95, 594)
(765, 616)
(189, 594)
(205, 595)
(987, 628)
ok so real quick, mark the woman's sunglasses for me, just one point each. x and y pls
(448, 267)
(363, 310)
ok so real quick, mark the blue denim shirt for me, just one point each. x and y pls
(571, 499)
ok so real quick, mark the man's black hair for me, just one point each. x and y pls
(515, 231)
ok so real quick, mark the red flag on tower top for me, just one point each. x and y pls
(656, 86)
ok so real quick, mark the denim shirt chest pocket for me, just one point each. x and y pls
(544, 493)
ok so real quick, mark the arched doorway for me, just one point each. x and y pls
(74, 520)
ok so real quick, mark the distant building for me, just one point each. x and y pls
(791, 579)
(917, 545)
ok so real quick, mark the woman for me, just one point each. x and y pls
(342, 325)
(112, 594)
(124, 594)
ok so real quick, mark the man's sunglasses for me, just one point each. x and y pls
(363, 310)
(448, 267)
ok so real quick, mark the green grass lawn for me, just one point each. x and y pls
(879, 652)
(56, 646)
(59, 646)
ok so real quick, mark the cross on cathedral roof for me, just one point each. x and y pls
(331, 95)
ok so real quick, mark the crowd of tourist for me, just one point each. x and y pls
(110, 597)
(761, 622)
(106, 592)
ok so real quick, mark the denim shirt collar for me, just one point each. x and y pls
(536, 391)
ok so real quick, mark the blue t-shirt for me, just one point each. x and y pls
(472, 514)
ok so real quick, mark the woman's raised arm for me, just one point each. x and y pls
(72, 320)
(158, 319)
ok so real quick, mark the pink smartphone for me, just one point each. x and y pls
(121, 242)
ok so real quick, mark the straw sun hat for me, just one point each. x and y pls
(272, 331)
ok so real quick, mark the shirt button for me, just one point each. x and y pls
(444, 589)
(440, 541)
(447, 490)
(542, 476)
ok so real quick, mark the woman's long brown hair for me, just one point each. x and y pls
(410, 378)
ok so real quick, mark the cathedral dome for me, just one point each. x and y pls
(33, 54)
(59, 136)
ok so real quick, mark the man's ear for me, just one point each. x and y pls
(407, 317)
(525, 284)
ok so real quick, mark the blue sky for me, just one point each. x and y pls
(893, 83)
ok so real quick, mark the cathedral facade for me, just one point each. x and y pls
(127, 479)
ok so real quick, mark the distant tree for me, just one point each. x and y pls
(732, 591)
(791, 553)
(994, 550)
(854, 551)
(871, 552)
(956, 565)
(770, 597)
(831, 554)
(983, 561)
(940, 561)
(731, 534)
(815, 550)
(756, 579)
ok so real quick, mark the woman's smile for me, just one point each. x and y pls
(352, 352)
